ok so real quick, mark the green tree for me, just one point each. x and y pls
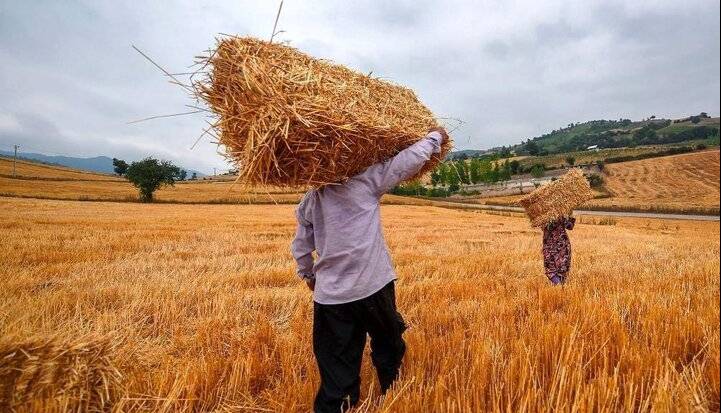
(532, 148)
(120, 166)
(462, 170)
(515, 167)
(150, 174)
(474, 170)
(505, 171)
(182, 175)
(486, 171)
(538, 170)
(445, 173)
(570, 160)
(194, 176)
(436, 176)
(412, 188)
(453, 180)
(644, 133)
(505, 152)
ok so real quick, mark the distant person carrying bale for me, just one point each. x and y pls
(289, 120)
(557, 249)
(550, 207)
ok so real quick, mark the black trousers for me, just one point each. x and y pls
(339, 336)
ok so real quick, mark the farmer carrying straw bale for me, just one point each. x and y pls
(550, 208)
(353, 278)
(287, 119)
(557, 249)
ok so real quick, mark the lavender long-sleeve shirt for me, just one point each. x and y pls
(342, 224)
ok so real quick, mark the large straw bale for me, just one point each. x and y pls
(557, 199)
(288, 119)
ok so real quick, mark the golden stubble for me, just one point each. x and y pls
(197, 308)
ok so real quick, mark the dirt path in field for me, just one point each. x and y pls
(620, 214)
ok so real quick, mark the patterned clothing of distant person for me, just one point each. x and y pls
(557, 249)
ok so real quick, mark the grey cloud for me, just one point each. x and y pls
(35, 133)
(510, 70)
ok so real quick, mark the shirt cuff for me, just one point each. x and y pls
(306, 276)
(437, 140)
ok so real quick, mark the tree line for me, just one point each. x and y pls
(452, 174)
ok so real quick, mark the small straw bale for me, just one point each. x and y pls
(287, 119)
(557, 199)
(76, 374)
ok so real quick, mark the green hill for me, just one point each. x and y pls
(622, 133)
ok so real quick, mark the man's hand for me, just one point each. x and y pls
(440, 130)
(310, 282)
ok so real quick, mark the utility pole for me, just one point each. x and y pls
(214, 172)
(15, 159)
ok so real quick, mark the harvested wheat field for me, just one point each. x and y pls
(51, 182)
(134, 307)
(122, 190)
(688, 182)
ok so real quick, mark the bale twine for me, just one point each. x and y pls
(76, 374)
(287, 119)
(557, 199)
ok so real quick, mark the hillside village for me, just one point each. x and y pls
(591, 145)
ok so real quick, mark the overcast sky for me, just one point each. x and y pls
(70, 81)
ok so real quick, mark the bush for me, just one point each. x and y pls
(438, 193)
(595, 180)
(515, 167)
(417, 189)
(538, 170)
(409, 189)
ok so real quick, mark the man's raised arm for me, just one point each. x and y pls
(382, 177)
